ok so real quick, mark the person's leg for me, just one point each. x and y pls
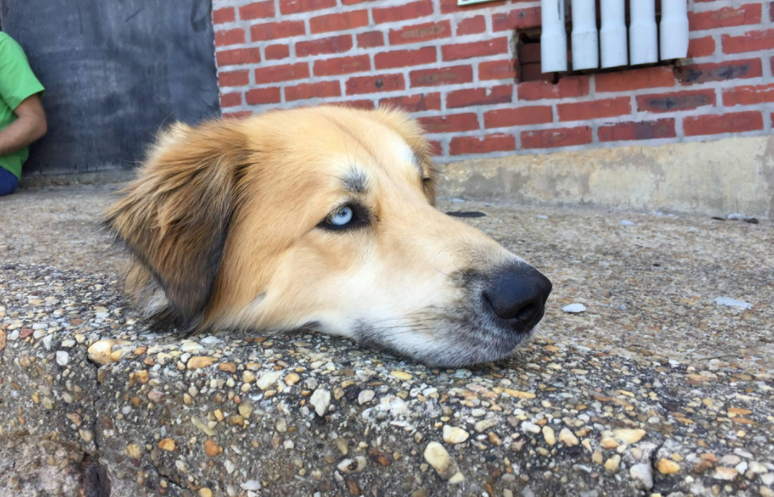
(8, 182)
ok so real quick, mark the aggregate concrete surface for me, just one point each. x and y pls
(657, 388)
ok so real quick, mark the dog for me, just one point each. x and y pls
(319, 218)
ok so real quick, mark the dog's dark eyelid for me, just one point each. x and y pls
(360, 217)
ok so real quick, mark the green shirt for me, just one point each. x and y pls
(17, 83)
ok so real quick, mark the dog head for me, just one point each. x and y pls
(319, 218)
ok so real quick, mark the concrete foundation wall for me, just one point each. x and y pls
(734, 175)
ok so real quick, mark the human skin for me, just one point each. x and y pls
(29, 126)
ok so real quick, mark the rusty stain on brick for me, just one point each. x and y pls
(423, 31)
(674, 101)
(446, 124)
(445, 75)
(647, 130)
(703, 73)
(415, 103)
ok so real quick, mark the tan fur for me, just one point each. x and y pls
(223, 227)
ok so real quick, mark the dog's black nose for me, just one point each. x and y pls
(518, 295)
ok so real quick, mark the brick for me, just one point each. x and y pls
(297, 6)
(516, 19)
(375, 84)
(701, 47)
(596, 109)
(414, 103)
(635, 79)
(771, 12)
(234, 78)
(258, 96)
(355, 104)
(476, 49)
(276, 30)
(472, 25)
(237, 115)
(676, 101)
(227, 14)
(444, 76)
(561, 137)
(529, 53)
(404, 58)
(229, 37)
(574, 86)
(257, 10)
(355, 2)
(521, 116)
(725, 17)
(412, 10)
(450, 123)
(275, 52)
(497, 69)
(722, 71)
(306, 91)
(238, 56)
(342, 65)
(370, 39)
(737, 122)
(420, 32)
(230, 99)
(435, 147)
(338, 22)
(643, 130)
(464, 145)
(285, 72)
(479, 96)
(748, 95)
(752, 41)
(335, 44)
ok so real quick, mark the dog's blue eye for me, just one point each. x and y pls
(345, 218)
(341, 217)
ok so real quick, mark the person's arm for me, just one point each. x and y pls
(29, 126)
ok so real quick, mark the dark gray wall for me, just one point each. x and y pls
(114, 72)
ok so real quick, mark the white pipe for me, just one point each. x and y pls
(613, 33)
(553, 40)
(674, 29)
(585, 42)
(643, 33)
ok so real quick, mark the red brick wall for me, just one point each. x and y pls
(452, 67)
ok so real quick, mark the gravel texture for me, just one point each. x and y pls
(655, 388)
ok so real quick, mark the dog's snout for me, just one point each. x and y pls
(518, 296)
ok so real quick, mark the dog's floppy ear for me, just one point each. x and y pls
(174, 217)
(411, 131)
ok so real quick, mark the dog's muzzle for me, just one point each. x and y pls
(517, 296)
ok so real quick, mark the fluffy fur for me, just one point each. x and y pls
(226, 228)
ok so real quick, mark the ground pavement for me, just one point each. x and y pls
(656, 388)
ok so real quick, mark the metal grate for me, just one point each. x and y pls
(643, 41)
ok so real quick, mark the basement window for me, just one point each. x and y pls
(528, 62)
